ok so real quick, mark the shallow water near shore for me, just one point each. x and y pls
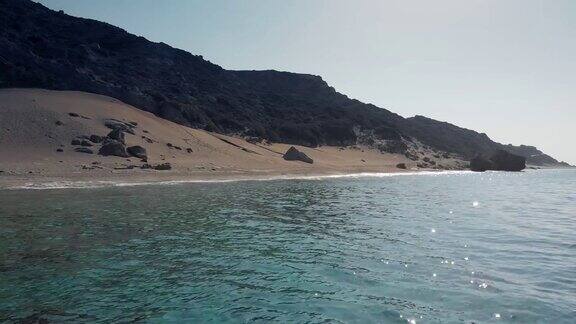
(453, 247)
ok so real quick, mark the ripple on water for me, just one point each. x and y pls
(355, 249)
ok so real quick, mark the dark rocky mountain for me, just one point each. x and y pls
(46, 49)
(447, 137)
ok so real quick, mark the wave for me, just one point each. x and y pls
(51, 185)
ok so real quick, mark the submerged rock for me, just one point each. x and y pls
(294, 155)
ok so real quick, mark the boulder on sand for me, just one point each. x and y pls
(85, 143)
(96, 138)
(81, 142)
(84, 150)
(114, 124)
(500, 160)
(137, 151)
(113, 147)
(294, 155)
(401, 165)
(117, 135)
(163, 166)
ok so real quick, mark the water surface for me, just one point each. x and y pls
(491, 247)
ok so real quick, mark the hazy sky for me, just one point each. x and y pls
(504, 67)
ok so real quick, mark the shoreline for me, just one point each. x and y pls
(87, 181)
(92, 181)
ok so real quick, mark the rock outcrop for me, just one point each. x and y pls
(506, 161)
(294, 155)
(96, 138)
(500, 160)
(137, 151)
(114, 124)
(117, 135)
(481, 163)
(113, 147)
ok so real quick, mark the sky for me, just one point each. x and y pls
(503, 67)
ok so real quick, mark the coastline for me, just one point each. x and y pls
(46, 138)
(132, 179)
(87, 181)
(41, 130)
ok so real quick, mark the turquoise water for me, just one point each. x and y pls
(492, 247)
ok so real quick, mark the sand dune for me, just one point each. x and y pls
(35, 123)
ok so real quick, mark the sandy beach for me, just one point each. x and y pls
(38, 126)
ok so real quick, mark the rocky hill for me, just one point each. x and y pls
(41, 48)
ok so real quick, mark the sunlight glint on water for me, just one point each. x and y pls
(444, 248)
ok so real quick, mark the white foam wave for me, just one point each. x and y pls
(105, 184)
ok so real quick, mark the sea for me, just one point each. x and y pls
(444, 247)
